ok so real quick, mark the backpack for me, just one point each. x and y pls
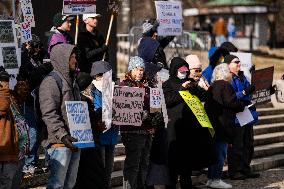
(38, 115)
(279, 93)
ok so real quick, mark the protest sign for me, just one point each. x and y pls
(79, 6)
(246, 63)
(10, 59)
(26, 32)
(28, 13)
(262, 79)
(79, 123)
(7, 32)
(197, 109)
(155, 100)
(169, 15)
(128, 105)
(107, 96)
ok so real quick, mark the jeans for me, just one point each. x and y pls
(215, 171)
(63, 167)
(137, 150)
(31, 159)
(107, 152)
(10, 174)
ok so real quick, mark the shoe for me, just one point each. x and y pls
(219, 184)
(252, 175)
(209, 181)
(238, 176)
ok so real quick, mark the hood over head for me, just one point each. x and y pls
(59, 56)
(176, 63)
(100, 67)
(147, 48)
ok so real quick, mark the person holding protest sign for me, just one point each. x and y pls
(91, 43)
(59, 32)
(222, 108)
(55, 90)
(137, 139)
(184, 130)
(91, 171)
(240, 152)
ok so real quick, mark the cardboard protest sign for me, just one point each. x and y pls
(197, 109)
(79, 6)
(169, 15)
(155, 100)
(7, 32)
(262, 79)
(246, 63)
(128, 105)
(107, 96)
(79, 123)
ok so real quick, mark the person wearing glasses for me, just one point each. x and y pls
(240, 152)
(91, 43)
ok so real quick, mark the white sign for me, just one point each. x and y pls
(26, 32)
(10, 59)
(107, 96)
(128, 105)
(79, 6)
(7, 32)
(155, 98)
(169, 15)
(246, 63)
(79, 123)
(28, 13)
(244, 117)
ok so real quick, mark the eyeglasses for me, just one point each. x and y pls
(237, 62)
(197, 70)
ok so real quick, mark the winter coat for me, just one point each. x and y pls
(222, 108)
(57, 36)
(52, 99)
(239, 83)
(90, 45)
(9, 148)
(143, 84)
(184, 130)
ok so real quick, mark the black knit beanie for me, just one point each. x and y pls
(228, 59)
(83, 80)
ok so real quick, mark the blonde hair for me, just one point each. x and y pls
(221, 72)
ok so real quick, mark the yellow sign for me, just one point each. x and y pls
(198, 110)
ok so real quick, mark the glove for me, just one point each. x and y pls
(4, 76)
(67, 141)
(252, 68)
(104, 48)
(146, 116)
(157, 119)
(250, 89)
(272, 89)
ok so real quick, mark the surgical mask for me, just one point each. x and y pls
(98, 84)
(181, 75)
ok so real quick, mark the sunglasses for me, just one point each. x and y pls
(196, 70)
(237, 62)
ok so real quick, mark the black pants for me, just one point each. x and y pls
(240, 153)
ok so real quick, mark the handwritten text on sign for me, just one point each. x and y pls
(79, 6)
(170, 19)
(128, 104)
(79, 123)
(155, 98)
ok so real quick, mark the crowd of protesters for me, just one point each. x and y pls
(158, 155)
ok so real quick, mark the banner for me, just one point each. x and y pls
(198, 110)
(75, 7)
(169, 15)
(262, 79)
(79, 123)
(246, 63)
(107, 97)
(128, 105)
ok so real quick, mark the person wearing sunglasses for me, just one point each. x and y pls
(240, 152)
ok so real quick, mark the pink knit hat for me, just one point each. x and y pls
(193, 61)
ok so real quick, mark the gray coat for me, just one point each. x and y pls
(52, 103)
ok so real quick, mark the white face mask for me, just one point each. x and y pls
(181, 75)
(98, 84)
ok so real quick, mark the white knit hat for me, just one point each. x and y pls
(95, 15)
(193, 61)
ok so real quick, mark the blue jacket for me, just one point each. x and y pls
(207, 73)
(239, 83)
(110, 137)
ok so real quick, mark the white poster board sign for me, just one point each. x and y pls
(79, 123)
(7, 32)
(26, 32)
(244, 117)
(28, 13)
(107, 96)
(169, 15)
(155, 98)
(246, 63)
(128, 105)
(79, 6)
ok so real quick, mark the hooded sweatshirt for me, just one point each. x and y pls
(52, 99)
